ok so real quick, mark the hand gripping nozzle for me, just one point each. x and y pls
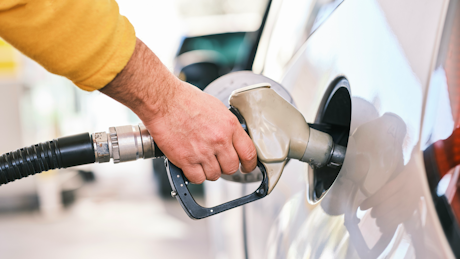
(277, 129)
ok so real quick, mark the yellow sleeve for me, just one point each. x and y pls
(87, 41)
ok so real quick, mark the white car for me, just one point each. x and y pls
(383, 78)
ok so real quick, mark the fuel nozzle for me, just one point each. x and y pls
(279, 132)
(277, 128)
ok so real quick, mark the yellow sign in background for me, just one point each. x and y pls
(9, 60)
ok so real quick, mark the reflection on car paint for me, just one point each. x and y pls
(372, 208)
(325, 9)
(438, 122)
(377, 198)
(294, 236)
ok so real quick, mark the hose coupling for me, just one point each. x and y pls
(124, 143)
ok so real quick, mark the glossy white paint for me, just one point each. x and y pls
(380, 205)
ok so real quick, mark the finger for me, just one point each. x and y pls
(245, 149)
(228, 160)
(194, 174)
(211, 169)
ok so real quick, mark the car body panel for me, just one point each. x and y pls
(389, 73)
(380, 204)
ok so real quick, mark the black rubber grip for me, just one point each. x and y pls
(59, 153)
(76, 150)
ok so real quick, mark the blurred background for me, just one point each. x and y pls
(106, 210)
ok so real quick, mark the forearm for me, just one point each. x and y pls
(144, 84)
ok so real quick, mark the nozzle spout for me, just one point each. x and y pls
(279, 132)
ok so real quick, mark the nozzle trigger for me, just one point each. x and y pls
(179, 185)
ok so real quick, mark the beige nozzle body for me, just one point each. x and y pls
(279, 131)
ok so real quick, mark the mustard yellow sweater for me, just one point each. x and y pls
(87, 41)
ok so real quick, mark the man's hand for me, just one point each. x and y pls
(193, 129)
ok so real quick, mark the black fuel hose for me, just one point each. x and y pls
(59, 153)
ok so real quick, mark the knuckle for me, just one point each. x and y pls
(203, 152)
(232, 168)
(187, 157)
(233, 122)
(214, 177)
(199, 179)
(249, 155)
(194, 176)
(219, 137)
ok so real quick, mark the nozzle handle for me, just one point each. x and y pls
(180, 191)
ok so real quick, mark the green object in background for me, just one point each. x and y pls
(202, 59)
(229, 45)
